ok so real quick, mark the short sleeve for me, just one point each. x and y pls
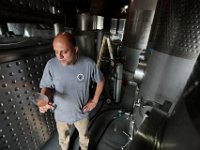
(96, 74)
(47, 78)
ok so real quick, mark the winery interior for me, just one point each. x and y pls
(147, 50)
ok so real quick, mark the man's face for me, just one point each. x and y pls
(65, 52)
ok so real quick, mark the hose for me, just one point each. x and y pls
(105, 129)
(112, 109)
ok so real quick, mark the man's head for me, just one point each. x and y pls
(65, 48)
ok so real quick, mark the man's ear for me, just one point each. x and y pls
(76, 49)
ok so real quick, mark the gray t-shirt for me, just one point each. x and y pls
(71, 84)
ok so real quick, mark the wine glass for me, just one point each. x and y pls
(42, 100)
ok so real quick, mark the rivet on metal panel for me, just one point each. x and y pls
(18, 63)
(9, 124)
(21, 2)
(18, 118)
(16, 89)
(30, 75)
(10, 99)
(28, 68)
(5, 142)
(29, 4)
(21, 101)
(33, 88)
(7, 118)
(19, 95)
(24, 85)
(32, 82)
(9, 65)
(20, 71)
(29, 97)
(3, 112)
(26, 92)
(14, 134)
(13, 106)
(26, 61)
(1, 105)
(4, 85)
(20, 123)
(12, 129)
(8, 92)
(23, 78)
(14, 81)
(2, 77)
(11, 73)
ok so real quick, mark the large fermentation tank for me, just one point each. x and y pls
(137, 29)
(182, 131)
(174, 45)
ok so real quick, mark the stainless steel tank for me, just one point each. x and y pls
(137, 30)
(175, 44)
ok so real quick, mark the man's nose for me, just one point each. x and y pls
(60, 55)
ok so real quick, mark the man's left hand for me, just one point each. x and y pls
(89, 106)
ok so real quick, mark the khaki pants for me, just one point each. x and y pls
(64, 137)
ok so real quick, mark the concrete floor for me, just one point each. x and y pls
(52, 144)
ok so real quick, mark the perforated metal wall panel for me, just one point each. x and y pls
(22, 127)
(175, 29)
(29, 11)
(37, 5)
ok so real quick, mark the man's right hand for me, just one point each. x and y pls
(45, 108)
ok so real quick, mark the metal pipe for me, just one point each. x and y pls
(57, 26)
(119, 70)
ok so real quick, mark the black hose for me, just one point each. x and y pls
(112, 109)
(105, 129)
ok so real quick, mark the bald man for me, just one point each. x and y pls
(69, 76)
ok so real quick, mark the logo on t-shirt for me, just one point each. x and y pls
(80, 77)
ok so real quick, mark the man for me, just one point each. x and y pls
(70, 76)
